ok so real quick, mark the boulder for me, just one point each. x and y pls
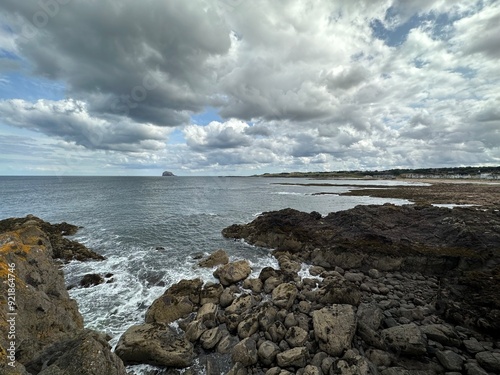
(450, 360)
(245, 352)
(407, 339)
(474, 369)
(211, 293)
(194, 330)
(215, 259)
(255, 285)
(441, 333)
(473, 346)
(283, 296)
(60, 246)
(210, 338)
(177, 302)
(334, 328)
(91, 279)
(331, 293)
(248, 325)
(241, 304)
(267, 352)
(207, 312)
(87, 354)
(155, 344)
(234, 272)
(295, 357)
(296, 336)
(490, 361)
(370, 314)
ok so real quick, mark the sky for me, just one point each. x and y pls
(242, 87)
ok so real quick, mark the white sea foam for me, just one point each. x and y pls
(287, 193)
(304, 272)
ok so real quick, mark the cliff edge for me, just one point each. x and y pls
(42, 329)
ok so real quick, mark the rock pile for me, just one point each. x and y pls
(460, 246)
(332, 322)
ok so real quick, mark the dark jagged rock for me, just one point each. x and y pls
(167, 174)
(461, 245)
(91, 279)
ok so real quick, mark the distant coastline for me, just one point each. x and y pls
(468, 173)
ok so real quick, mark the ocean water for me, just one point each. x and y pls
(151, 228)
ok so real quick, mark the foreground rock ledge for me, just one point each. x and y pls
(461, 246)
(50, 338)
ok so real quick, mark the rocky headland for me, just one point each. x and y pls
(42, 330)
(386, 290)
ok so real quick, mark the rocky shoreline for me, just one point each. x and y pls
(387, 290)
(42, 329)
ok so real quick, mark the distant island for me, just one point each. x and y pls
(489, 173)
(167, 174)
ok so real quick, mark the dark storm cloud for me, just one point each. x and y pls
(146, 60)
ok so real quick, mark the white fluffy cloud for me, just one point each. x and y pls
(298, 84)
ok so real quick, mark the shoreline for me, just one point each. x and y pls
(435, 191)
(367, 295)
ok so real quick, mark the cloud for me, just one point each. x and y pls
(69, 120)
(216, 135)
(148, 60)
(294, 84)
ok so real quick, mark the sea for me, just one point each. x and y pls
(152, 230)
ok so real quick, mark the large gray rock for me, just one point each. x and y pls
(240, 305)
(443, 334)
(87, 354)
(210, 338)
(473, 346)
(296, 336)
(490, 361)
(370, 314)
(177, 302)
(284, 295)
(334, 328)
(215, 259)
(474, 369)
(234, 272)
(267, 352)
(450, 360)
(295, 357)
(155, 344)
(406, 339)
(245, 352)
(248, 325)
